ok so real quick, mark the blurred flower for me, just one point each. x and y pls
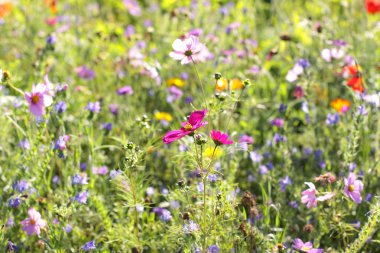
(62, 142)
(24, 144)
(372, 99)
(284, 182)
(278, 122)
(213, 249)
(298, 92)
(340, 105)
(246, 138)
(12, 247)
(236, 84)
(353, 188)
(333, 53)
(190, 227)
(325, 178)
(129, 31)
(355, 81)
(332, 119)
(221, 84)
(34, 223)
(210, 153)
(93, 107)
(133, 7)
(14, 202)
(188, 50)
(79, 178)
(60, 107)
(85, 73)
(195, 122)
(297, 70)
(175, 82)
(175, 94)
(220, 138)
(126, 90)
(21, 186)
(362, 110)
(373, 6)
(68, 228)
(89, 246)
(114, 109)
(305, 247)
(163, 116)
(115, 173)
(107, 126)
(309, 196)
(81, 197)
(38, 99)
(103, 170)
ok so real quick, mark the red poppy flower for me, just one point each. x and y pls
(373, 6)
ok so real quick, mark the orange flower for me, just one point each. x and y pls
(236, 84)
(175, 82)
(53, 6)
(340, 105)
(221, 84)
(5, 8)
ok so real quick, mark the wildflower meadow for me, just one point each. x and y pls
(190, 126)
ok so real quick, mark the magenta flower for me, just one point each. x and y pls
(195, 122)
(353, 187)
(38, 99)
(34, 223)
(305, 247)
(189, 50)
(220, 138)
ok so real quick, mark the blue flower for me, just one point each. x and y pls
(213, 249)
(89, 246)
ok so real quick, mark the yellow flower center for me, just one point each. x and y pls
(305, 248)
(188, 127)
(351, 188)
(35, 99)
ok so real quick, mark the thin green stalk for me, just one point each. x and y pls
(136, 225)
(200, 82)
(234, 108)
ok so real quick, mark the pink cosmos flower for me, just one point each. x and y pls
(34, 223)
(195, 122)
(220, 138)
(189, 50)
(38, 99)
(309, 196)
(305, 247)
(353, 187)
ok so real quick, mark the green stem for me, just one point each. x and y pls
(234, 108)
(135, 206)
(200, 82)
(16, 89)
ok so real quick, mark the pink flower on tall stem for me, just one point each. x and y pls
(220, 138)
(38, 99)
(188, 50)
(305, 247)
(34, 223)
(309, 196)
(353, 187)
(195, 122)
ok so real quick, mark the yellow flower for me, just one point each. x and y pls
(221, 84)
(236, 84)
(163, 116)
(341, 105)
(175, 82)
(210, 150)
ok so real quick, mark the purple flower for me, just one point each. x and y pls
(362, 110)
(305, 247)
(83, 166)
(114, 109)
(100, 170)
(213, 249)
(284, 182)
(107, 126)
(303, 63)
(245, 139)
(278, 138)
(14, 202)
(68, 228)
(255, 157)
(12, 247)
(81, 197)
(24, 144)
(115, 173)
(60, 107)
(38, 99)
(80, 179)
(129, 31)
(62, 142)
(282, 108)
(175, 94)
(278, 122)
(21, 186)
(190, 227)
(353, 188)
(85, 73)
(126, 90)
(89, 246)
(33, 224)
(93, 107)
(332, 119)
(133, 7)
(56, 179)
